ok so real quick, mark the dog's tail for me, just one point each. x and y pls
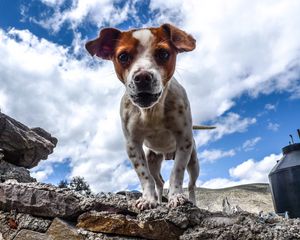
(202, 127)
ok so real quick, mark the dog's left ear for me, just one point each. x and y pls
(182, 41)
(104, 45)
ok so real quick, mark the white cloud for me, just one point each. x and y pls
(210, 156)
(42, 171)
(250, 171)
(241, 48)
(226, 125)
(270, 107)
(273, 126)
(98, 12)
(249, 144)
(52, 2)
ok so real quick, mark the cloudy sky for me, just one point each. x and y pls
(243, 78)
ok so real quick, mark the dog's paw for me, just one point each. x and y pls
(177, 200)
(143, 204)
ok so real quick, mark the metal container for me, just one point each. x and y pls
(285, 182)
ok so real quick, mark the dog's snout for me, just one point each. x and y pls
(143, 81)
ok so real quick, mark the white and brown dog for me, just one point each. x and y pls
(155, 110)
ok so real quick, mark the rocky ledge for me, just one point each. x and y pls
(24, 146)
(43, 211)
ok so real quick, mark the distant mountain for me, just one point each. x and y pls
(251, 197)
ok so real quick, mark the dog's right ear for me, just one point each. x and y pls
(104, 45)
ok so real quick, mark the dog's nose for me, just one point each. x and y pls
(143, 81)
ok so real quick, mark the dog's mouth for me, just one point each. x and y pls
(145, 99)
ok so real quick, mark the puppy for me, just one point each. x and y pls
(155, 111)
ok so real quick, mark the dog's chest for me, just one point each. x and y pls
(156, 134)
(160, 140)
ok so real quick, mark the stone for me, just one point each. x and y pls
(182, 217)
(87, 235)
(46, 200)
(106, 222)
(113, 216)
(12, 222)
(242, 225)
(39, 199)
(10, 171)
(228, 208)
(134, 195)
(23, 146)
(60, 229)
(25, 234)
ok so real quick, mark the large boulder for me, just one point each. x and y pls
(24, 146)
(10, 171)
(60, 229)
(105, 222)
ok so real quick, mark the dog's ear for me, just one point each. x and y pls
(104, 45)
(182, 41)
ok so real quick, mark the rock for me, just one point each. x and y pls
(60, 229)
(113, 216)
(130, 195)
(10, 171)
(23, 146)
(228, 208)
(39, 199)
(12, 222)
(242, 226)
(25, 234)
(183, 216)
(46, 200)
(87, 235)
(134, 195)
(129, 226)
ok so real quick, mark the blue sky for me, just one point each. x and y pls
(243, 77)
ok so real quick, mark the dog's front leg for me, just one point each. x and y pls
(138, 159)
(182, 156)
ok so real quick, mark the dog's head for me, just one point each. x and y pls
(144, 59)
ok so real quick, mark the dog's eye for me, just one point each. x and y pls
(124, 58)
(162, 55)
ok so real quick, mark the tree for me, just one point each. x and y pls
(63, 184)
(79, 184)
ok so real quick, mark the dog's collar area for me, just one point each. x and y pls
(145, 99)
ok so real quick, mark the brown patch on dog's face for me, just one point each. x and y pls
(124, 54)
(164, 54)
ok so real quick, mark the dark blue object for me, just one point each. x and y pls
(285, 182)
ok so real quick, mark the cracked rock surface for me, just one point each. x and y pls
(24, 146)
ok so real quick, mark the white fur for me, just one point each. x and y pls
(144, 36)
(144, 61)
